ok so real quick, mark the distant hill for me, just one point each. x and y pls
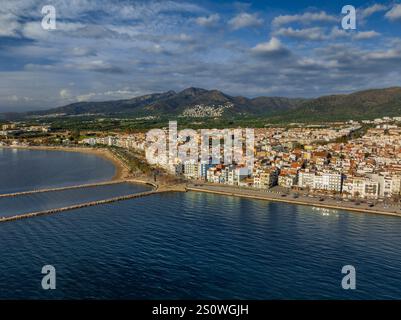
(197, 102)
(174, 104)
(366, 104)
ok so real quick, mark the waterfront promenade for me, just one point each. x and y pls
(225, 190)
(318, 201)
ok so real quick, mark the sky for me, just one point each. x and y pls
(119, 49)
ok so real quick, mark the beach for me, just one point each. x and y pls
(122, 172)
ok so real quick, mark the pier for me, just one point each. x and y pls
(81, 186)
(157, 189)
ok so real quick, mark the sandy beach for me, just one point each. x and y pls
(122, 172)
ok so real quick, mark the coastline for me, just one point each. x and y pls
(122, 172)
(260, 195)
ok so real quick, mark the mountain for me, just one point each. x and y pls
(175, 104)
(106, 107)
(366, 104)
(197, 103)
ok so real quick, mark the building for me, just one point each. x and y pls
(287, 180)
(266, 178)
(10, 126)
(190, 169)
(328, 181)
(306, 179)
(203, 168)
(360, 187)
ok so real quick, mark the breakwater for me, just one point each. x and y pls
(81, 186)
(156, 189)
(89, 185)
(77, 206)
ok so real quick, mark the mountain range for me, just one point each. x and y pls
(201, 103)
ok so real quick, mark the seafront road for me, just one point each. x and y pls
(297, 198)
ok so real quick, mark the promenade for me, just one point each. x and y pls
(318, 201)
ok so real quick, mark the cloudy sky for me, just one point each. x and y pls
(117, 49)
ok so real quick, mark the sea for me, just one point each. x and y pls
(181, 245)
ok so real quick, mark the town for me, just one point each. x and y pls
(350, 160)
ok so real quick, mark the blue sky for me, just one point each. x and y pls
(110, 49)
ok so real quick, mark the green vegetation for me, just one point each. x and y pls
(134, 159)
(154, 111)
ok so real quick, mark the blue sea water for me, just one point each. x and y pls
(22, 170)
(200, 246)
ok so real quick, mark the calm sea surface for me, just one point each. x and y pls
(182, 246)
(22, 170)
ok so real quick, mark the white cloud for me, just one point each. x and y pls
(155, 48)
(85, 97)
(82, 51)
(338, 33)
(65, 94)
(209, 21)
(98, 66)
(244, 20)
(15, 98)
(363, 35)
(34, 30)
(122, 93)
(367, 12)
(384, 55)
(305, 18)
(317, 34)
(394, 14)
(270, 48)
(182, 37)
(304, 34)
(9, 25)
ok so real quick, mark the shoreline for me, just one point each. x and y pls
(122, 172)
(258, 195)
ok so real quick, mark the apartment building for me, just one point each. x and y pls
(328, 181)
(360, 187)
(265, 178)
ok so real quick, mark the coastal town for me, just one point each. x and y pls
(348, 160)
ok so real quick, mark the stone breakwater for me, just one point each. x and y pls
(90, 185)
(157, 189)
(77, 206)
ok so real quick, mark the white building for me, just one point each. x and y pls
(266, 178)
(306, 179)
(190, 169)
(287, 180)
(328, 181)
(360, 187)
